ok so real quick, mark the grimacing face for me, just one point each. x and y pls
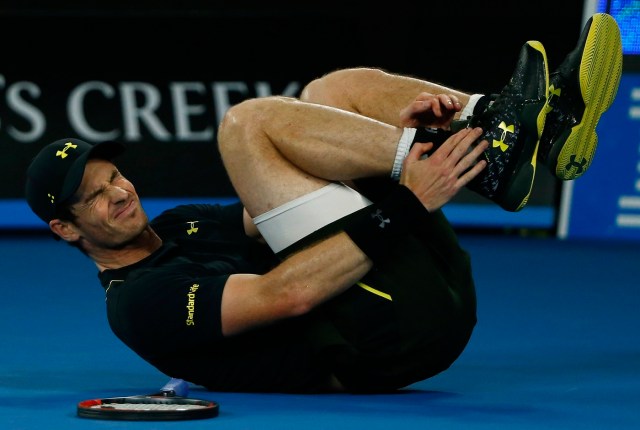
(107, 207)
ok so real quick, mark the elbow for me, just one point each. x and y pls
(296, 302)
(301, 306)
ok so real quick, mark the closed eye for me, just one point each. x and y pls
(91, 197)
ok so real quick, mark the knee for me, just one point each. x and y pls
(246, 123)
(231, 124)
(239, 123)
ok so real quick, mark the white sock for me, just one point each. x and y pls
(467, 111)
(402, 151)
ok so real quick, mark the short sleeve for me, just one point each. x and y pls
(167, 310)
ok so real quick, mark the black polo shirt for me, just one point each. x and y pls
(166, 307)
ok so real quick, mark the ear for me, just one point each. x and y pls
(64, 229)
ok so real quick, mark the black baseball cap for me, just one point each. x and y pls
(55, 173)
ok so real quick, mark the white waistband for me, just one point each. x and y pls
(283, 226)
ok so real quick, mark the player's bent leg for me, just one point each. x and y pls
(276, 149)
(372, 92)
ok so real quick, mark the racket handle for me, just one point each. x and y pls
(175, 387)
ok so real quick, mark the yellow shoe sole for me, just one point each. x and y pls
(600, 71)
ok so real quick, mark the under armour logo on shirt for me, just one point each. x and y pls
(193, 228)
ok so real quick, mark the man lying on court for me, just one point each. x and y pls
(337, 271)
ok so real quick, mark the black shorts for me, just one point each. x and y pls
(409, 318)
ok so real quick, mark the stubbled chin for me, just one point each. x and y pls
(136, 236)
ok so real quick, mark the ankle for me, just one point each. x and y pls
(478, 103)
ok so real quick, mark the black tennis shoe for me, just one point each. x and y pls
(513, 124)
(581, 90)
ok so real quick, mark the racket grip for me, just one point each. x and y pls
(175, 387)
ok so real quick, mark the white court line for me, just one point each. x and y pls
(627, 220)
(629, 202)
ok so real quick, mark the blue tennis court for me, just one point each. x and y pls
(557, 346)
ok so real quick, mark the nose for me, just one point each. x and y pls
(116, 194)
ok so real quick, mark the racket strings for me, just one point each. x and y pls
(149, 406)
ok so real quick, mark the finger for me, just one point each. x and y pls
(445, 101)
(472, 158)
(436, 107)
(454, 140)
(423, 96)
(418, 149)
(422, 106)
(465, 144)
(450, 102)
(470, 174)
(409, 116)
(457, 105)
(479, 149)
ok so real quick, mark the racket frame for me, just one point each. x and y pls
(99, 408)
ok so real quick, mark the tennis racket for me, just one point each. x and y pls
(169, 404)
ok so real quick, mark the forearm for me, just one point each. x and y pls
(319, 272)
(300, 283)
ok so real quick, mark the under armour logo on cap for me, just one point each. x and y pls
(63, 153)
